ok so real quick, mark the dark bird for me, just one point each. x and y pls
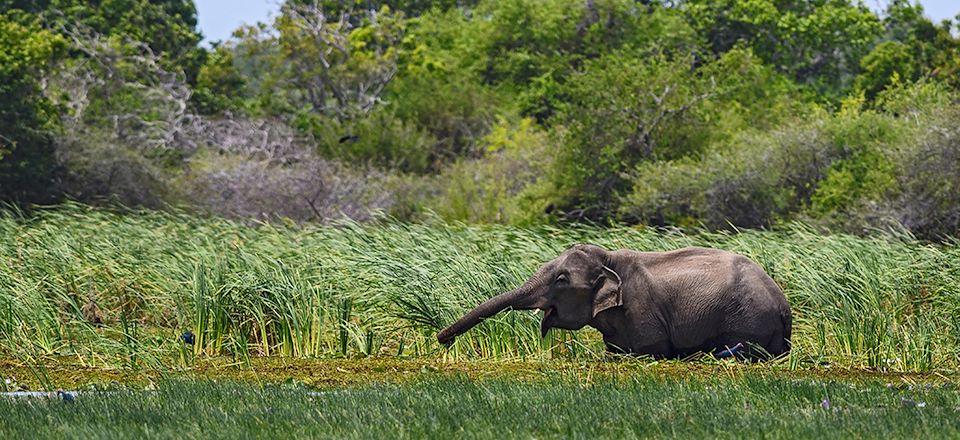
(65, 395)
(730, 351)
(348, 138)
(188, 337)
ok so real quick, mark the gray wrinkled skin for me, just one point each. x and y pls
(664, 304)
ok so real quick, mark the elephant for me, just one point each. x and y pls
(663, 304)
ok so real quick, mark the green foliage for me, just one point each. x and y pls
(887, 64)
(27, 118)
(456, 113)
(898, 165)
(720, 113)
(523, 39)
(749, 95)
(862, 170)
(933, 47)
(168, 28)
(848, 171)
(220, 83)
(250, 55)
(667, 192)
(741, 188)
(926, 166)
(410, 8)
(920, 101)
(380, 139)
(438, 90)
(817, 42)
(497, 187)
(632, 108)
(533, 48)
(625, 108)
(328, 66)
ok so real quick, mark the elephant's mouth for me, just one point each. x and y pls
(545, 324)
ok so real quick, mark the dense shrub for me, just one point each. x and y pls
(926, 196)
(100, 169)
(765, 177)
(629, 109)
(625, 108)
(497, 187)
(453, 112)
(898, 170)
(379, 139)
(739, 188)
(817, 43)
(856, 170)
(889, 62)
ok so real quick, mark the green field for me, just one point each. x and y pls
(641, 406)
(352, 310)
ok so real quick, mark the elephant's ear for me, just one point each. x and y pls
(608, 293)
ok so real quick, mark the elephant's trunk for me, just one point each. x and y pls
(523, 298)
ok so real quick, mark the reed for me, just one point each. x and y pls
(383, 289)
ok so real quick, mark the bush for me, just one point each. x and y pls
(494, 188)
(630, 108)
(98, 169)
(455, 112)
(889, 62)
(739, 189)
(625, 108)
(759, 179)
(860, 170)
(899, 166)
(379, 139)
(857, 170)
(926, 198)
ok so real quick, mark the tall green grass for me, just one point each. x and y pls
(888, 303)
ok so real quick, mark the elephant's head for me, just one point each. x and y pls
(571, 290)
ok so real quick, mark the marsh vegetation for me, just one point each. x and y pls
(109, 289)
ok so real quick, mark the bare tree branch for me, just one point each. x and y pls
(330, 68)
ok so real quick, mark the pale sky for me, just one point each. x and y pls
(219, 18)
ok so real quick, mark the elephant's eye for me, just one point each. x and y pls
(562, 278)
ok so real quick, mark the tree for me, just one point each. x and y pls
(533, 47)
(332, 67)
(27, 119)
(932, 49)
(625, 108)
(220, 84)
(410, 8)
(888, 63)
(817, 42)
(167, 27)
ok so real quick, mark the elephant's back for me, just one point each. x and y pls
(704, 274)
(696, 268)
(693, 285)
